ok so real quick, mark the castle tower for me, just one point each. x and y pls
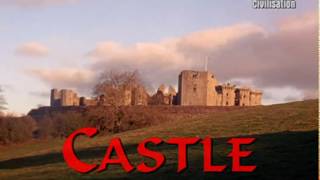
(54, 98)
(197, 88)
(255, 98)
(69, 98)
(242, 97)
(226, 93)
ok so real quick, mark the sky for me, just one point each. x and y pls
(48, 44)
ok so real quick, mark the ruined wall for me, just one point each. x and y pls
(243, 97)
(259, 99)
(211, 91)
(158, 99)
(219, 99)
(126, 97)
(255, 98)
(139, 96)
(164, 96)
(227, 95)
(88, 102)
(196, 88)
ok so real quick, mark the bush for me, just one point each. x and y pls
(106, 119)
(61, 124)
(16, 129)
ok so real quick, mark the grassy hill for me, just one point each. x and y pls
(285, 148)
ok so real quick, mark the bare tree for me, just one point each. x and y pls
(114, 87)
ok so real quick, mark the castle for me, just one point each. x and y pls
(67, 97)
(195, 88)
(201, 88)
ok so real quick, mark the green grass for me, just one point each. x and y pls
(285, 148)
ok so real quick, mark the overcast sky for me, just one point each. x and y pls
(66, 43)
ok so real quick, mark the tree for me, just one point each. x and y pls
(116, 88)
(114, 85)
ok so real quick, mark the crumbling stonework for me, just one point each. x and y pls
(195, 88)
(64, 97)
(255, 98)
(243, 97)
(201, 88)
(130, 96)
(139, 96)
(88, 102)
(226, 95)
(163, 96)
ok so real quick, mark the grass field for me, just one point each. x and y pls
(285, 148)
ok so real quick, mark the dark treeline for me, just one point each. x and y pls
(59, 124)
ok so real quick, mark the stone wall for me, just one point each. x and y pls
(88, 102)
(164, 96)
(196, 88)
(201, 88)
(243, 97)
(139, 96)
(64, 97)
(227, 95)
(255, 98)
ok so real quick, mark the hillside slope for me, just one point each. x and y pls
(285, 148)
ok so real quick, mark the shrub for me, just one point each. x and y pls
(16, 129)
(106, 119)
(61, 124)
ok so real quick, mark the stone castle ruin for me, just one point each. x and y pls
(64, 97)
(201, 88)
(164, 96)
(195, 88)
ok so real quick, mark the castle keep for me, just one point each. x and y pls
(195, 88)
(64, 97)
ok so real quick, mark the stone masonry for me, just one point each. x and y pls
(195, 88)
(64, 97)
(201, 88)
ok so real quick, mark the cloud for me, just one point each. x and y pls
(286, 57)
(283, 60)
(166, 58)
(72, 78)
(34, 3)
(32, 49)
(276, 95)
(311, 94)
(40, 94)
(280, 58)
